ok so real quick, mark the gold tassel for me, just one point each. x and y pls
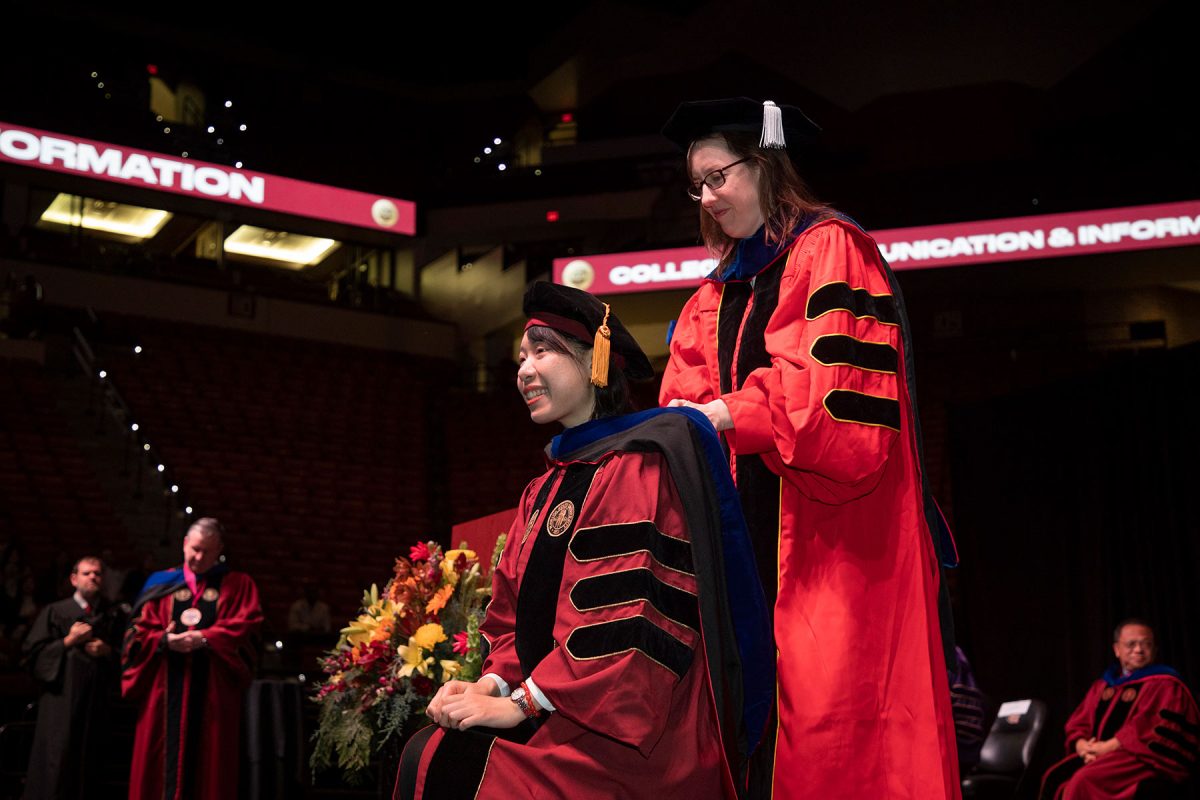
(600, 352)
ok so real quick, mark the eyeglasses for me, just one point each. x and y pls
(713, 180)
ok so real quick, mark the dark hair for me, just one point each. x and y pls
(89, 559)
(611, 400)
(783, 195)
(1126, 623)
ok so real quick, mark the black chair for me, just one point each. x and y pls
(1007, 752)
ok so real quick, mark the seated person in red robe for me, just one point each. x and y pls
(189, 656)
(630, 650)
(1137, 724)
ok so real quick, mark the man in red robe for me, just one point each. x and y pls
(189, 656)
(1137, 724)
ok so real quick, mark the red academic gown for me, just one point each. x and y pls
(1157, 723)
(190, 704)
(599, 563)
(811, 364)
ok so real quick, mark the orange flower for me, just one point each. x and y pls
(384, 631)
(439, 600)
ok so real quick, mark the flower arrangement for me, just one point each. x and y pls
(418, 633)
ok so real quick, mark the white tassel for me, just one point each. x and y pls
(772, 128)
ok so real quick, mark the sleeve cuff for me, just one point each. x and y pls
(751, 432)
(505, 691)
(538, 696)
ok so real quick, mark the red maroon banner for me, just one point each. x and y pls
(1048, 236)
(37, 149)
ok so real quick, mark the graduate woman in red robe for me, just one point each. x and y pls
(796, 348)
(628, 636)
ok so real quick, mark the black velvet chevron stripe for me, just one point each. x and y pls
(1120, 713)
(841, 349)
(609, 541)
(631, 586)
(1173, 754)
(1180, 720)
(1178, 738)
(456, 768)
(847, 406)
(537, 600)
(633, 633)
(859, 302)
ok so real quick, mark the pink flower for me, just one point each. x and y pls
(419, 552)
(461, 644)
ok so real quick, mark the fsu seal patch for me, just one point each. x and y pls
(1128, 695)
(560, 518)
(1108, 693)
(210, 595)
(183, 595)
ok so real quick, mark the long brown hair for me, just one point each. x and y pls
(783, 195)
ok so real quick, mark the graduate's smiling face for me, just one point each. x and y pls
(87, 577)
(1134, 647)
(734, 205)
(555, 385)
(201, 549)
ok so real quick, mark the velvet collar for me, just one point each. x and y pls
(1113, 676)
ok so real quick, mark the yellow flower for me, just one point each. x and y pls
(362, 630)
(439, 599)
(450, 668)
(427, 636)
(413, 662)
(448, 563)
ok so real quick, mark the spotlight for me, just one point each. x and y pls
(100, 85)
(133, 427)
(496, 140)
(95, 75)
(476, 159)
(103, 374)
(174, 488)
(184, 153)
(278, 644)
(502, 167)
(211, 129)
(137, 348)
(166, 130)
(187, 510)
(537, 172)
(229, 104)
(242, 127)
(146, 447)
(237, 164)
(220, 141)
(301, 677)
(158, 118)
(487, 151)
(162, 467)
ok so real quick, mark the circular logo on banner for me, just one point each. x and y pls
(210, 595)
(190, 617)
(1128, 695)
(183, 595)
(560, 518)
(1108, 693)
(385, 213)
(579, 274)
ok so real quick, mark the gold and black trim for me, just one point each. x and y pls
(634, 586)
(838, 296)
(866, 409)
(627, 538)
(605, 639)
(1170, 752)
(1177, 738)
(840, 350)
(538, 595)
(1180, 720)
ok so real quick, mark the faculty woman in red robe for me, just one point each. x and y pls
(189, 655)
(627, 630)
(796, 348)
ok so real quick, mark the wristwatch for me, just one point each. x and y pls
(521, 698)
